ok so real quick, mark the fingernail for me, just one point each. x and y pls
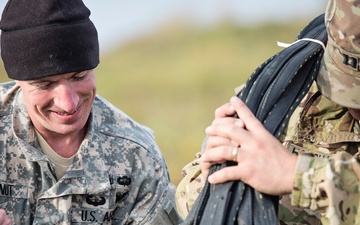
(210, 179)
(238, 124)
(207, 129)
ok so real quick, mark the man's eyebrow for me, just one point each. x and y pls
(48, 79)
(39, 81)
(80, 72)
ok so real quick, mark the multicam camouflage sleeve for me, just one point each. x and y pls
(329, 186)
(327, 180)
(326, 185)
(189, 187)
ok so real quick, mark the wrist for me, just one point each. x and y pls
(289, 177)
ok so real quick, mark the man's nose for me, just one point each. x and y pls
(66, 97)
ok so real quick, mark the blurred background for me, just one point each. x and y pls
(170, 63)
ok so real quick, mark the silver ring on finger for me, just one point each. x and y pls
(234, 154)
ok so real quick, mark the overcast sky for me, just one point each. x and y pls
(119, 21)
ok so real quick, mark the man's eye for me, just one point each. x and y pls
(43, 85)
(79, 77)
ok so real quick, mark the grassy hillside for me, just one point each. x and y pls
(173, 81)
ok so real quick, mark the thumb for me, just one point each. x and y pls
(245, 114)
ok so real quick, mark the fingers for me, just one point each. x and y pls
(249, 119)
(222, 144)
(228, 120)
(214, 141)
(218, 155)
(233, 132)
(235, 129)
(229, 173)
(3, 219)
(256, 152)
(225, 110)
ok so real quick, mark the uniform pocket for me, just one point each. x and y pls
(108, 207)
(14, 200)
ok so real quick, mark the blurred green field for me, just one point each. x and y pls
(174, 79)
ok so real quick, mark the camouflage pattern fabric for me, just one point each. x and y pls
(327, 140)
(189, 187)
(326, 189)
(339, 79)
(118, 175)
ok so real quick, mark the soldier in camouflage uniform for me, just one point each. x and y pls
(67, 155)
(319, 182)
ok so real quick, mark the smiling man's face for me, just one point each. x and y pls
(60, 104)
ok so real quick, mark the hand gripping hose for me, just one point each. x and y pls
(272, 93)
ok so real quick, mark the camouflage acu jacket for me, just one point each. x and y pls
(118, 175)
(326, 187)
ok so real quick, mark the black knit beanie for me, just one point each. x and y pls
(41, 38)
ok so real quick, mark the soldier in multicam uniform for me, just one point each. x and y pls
(67, 155)
(319, 182)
